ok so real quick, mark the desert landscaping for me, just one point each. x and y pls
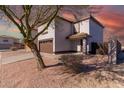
(61, 46)
(93, 74)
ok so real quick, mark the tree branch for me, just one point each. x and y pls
(54, 15)
(40, 15)
(8, 14)
(11, 12)
(27, 12)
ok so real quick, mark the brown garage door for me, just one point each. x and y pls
(46, 46)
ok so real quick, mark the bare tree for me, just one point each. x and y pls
(27, 18)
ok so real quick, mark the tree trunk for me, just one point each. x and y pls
(37, 55)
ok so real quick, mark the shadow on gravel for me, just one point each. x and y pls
(86, 68)
(78, 68)
(59, 64)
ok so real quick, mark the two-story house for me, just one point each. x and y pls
(65, 35)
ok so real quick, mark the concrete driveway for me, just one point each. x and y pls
(17, 57)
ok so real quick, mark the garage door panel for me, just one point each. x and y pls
(46, 46)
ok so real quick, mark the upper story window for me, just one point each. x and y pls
(5, 40)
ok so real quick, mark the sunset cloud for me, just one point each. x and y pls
(112, 17)
(14, 29)
(68, 15)
(2, 27)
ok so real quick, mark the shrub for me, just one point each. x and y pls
(73, 62)
(103, 49)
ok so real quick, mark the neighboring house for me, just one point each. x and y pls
(65, 35)
(6, 42)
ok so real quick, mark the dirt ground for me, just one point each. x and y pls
(25, 74)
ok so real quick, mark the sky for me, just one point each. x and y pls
(9, 29)
(111, 16)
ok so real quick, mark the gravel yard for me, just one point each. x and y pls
(25, 74)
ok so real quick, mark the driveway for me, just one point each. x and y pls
(17, 58)
(20, 55)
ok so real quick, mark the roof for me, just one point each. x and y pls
(68, 16)
(78, 36)
(90, 17)
(72, 19)
(5, 36)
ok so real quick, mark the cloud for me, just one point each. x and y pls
(68, 15)
(112, 18)
(94, 9)
(13, 29)
(2, 27)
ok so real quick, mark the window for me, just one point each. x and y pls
(5, 40)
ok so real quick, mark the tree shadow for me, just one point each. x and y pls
(54, 65)
(87, 68)
(78, 68)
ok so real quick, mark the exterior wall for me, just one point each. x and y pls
(10, 40)
(49, 35)
(76, 27)
(7, 44)
(62, 30)
(96, 32)
(82, 26)
(92, 28)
